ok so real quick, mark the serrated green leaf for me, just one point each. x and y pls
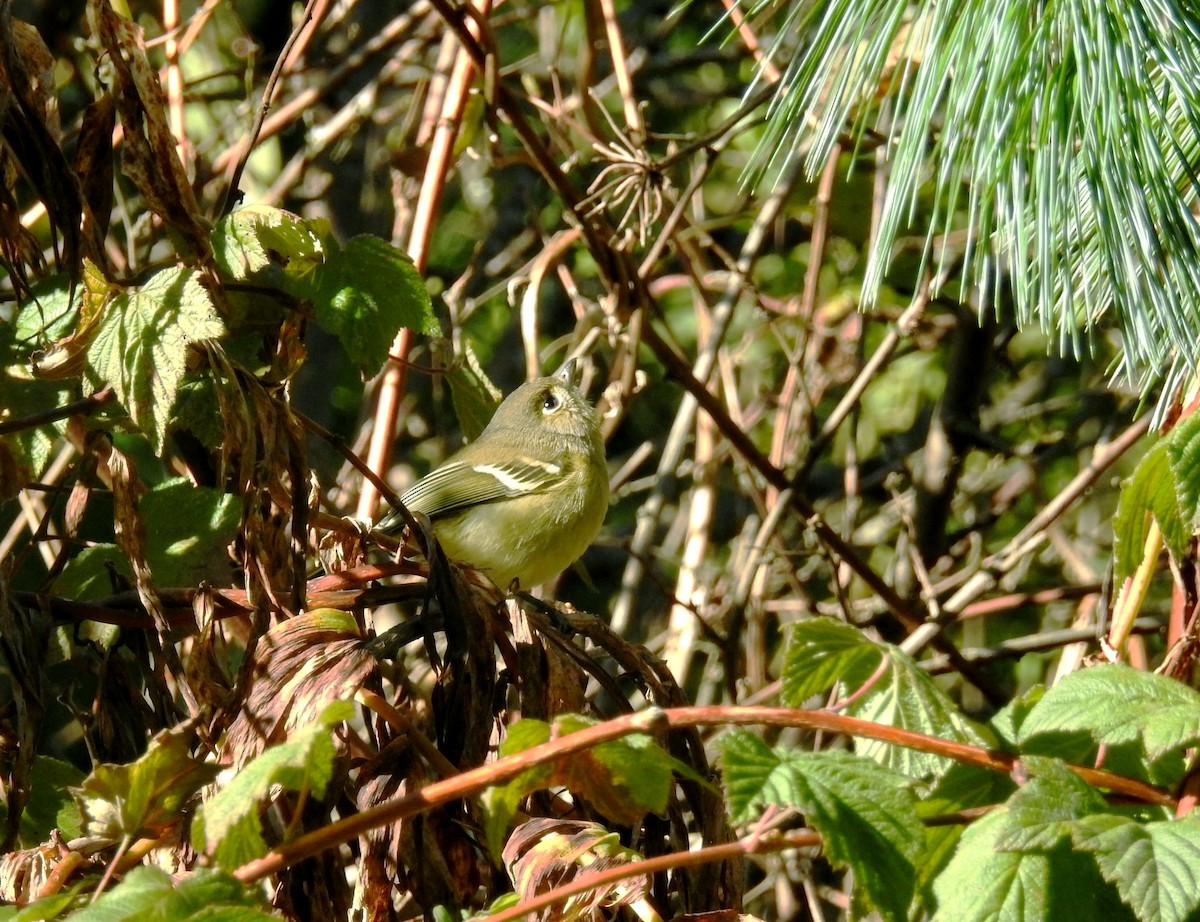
(1117, 704)
(1006, 722)
(364, 293)
(148, 894)
(141, 346)
(822, 652)
(961, 788)
(145, 797)
(1043, 810)
(907, 697)
(1152, 489)
(227, 826)
(865, 813)
(1183, 452)
(257, 236)
(1156, 866)
(983, 884)
(49, 314)
(49, 907)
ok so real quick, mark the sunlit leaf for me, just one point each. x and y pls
(145, 797)
(140, 348)
(1117, 704)
(1156, 865)
(865, 813)
(228, 825)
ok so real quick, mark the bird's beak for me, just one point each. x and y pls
(570, 372)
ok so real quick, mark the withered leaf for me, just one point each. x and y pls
(545, 853)
(145, 797)
(148, 156)
(301, 666)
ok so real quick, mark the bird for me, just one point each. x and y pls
(524, 500)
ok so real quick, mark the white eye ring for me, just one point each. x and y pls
(551, 403)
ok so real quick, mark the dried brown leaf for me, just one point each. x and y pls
(545, 853)
(23, 872)
(15, 471)
(300, 666)
(36, 75)
(148, 156)
(131, 533)
(94, 167)
(31, 130)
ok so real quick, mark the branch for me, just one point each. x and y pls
(655, 720)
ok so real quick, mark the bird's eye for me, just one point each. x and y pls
(550, 402)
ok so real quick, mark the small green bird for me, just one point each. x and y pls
(525, 499)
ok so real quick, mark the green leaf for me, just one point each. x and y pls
(49, 314)
(191, 525)
(145, 797)
(141, 346)
(1156, 865)
(865, 813)
(983, 883)
(1183, 452)
(89, 574)
(1117, 704)
(1006, 722)
(475, 397)
(623, 779)
(963, 787)
(1152, 489)
(257, 236)
(227, 826)
(822, 652)
(149, 894)
(907, 697)
(364, 293)
(51, 805)
(500, 801)
(198, 411)
(27, 453)
(1042, 811)
(49, 907)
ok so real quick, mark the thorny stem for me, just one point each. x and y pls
(654, 720)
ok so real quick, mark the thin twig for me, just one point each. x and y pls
(441, 151)
(85, 406)
(1030, 537)
(246, 146)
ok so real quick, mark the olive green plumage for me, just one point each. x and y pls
(525, 499)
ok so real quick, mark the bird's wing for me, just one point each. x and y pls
(457, 484)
